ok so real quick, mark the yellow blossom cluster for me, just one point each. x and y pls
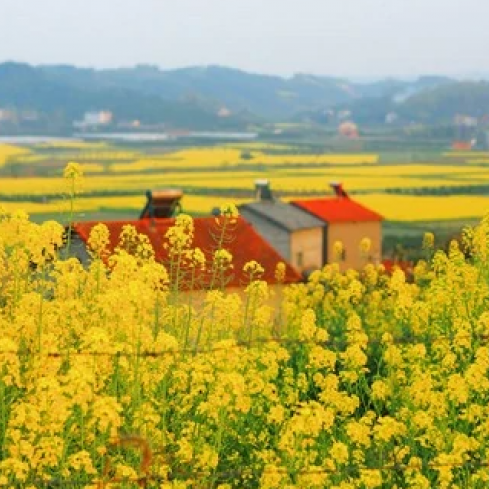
(108, 372)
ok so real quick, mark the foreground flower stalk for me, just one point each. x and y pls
(352, 380)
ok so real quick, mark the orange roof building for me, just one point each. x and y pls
(349, 223)
(295, 234)
(340, 209)
(242, 242)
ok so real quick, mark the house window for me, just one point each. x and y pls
(299, 259)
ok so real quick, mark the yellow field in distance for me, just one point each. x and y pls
(296, 182)
(465, 154)
(192, 204)
(72, 144)
(57, 185)
(223, 157)
(392, 207)
(409, 170)
(8, 151)
(426, 208)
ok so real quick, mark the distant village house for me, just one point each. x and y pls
(301, 234)
(305, 231)
(348, 222)
(94, 119)
(242, 241)
(296, 235)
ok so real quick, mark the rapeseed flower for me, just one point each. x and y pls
(212, 381)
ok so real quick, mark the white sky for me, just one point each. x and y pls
(327, 37)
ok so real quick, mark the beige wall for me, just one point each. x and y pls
(309, 244)
(351, 234)
(273, 328)
(199, 296)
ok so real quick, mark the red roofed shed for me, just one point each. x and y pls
(243, 242)
(349, 223)
(333, 210)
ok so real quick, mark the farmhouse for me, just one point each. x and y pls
(305, 231)
(239, 238)
(347, 222)
(297, 235)
(301, 234)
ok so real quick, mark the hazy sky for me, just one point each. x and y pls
(329, 37)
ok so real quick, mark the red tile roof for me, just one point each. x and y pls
(390, 265)
(337, 209)
(245, 244)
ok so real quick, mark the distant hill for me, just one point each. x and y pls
(395, 89)
(430, 100)
(442, 103)
(267, 96)
(197, 97)
(26, 88)
(270, 97)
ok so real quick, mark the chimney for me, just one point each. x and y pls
(263, 192)
(162, 203)
(339, 190)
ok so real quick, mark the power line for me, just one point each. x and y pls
(247, 344)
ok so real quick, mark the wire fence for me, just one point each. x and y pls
(230, 344)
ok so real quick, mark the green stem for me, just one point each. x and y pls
(3, 419)
(220, 432)
(190, 302)
(156, 325)
(216, 268)
(72, 212)
(41, 310)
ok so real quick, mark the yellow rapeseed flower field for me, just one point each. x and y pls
(72, 144)
(225, 180)
(110, 376)
(479, 161)
(92, 168)
(225, 157)
(109, 154)
(426, 208)
(392, 207)
(30, 158)
(195, 204)
(408, 170)
(8, 151)
(257, 146)
(138, 172)
(465, 154)
(326, 159)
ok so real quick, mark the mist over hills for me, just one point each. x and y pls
(220, 97)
